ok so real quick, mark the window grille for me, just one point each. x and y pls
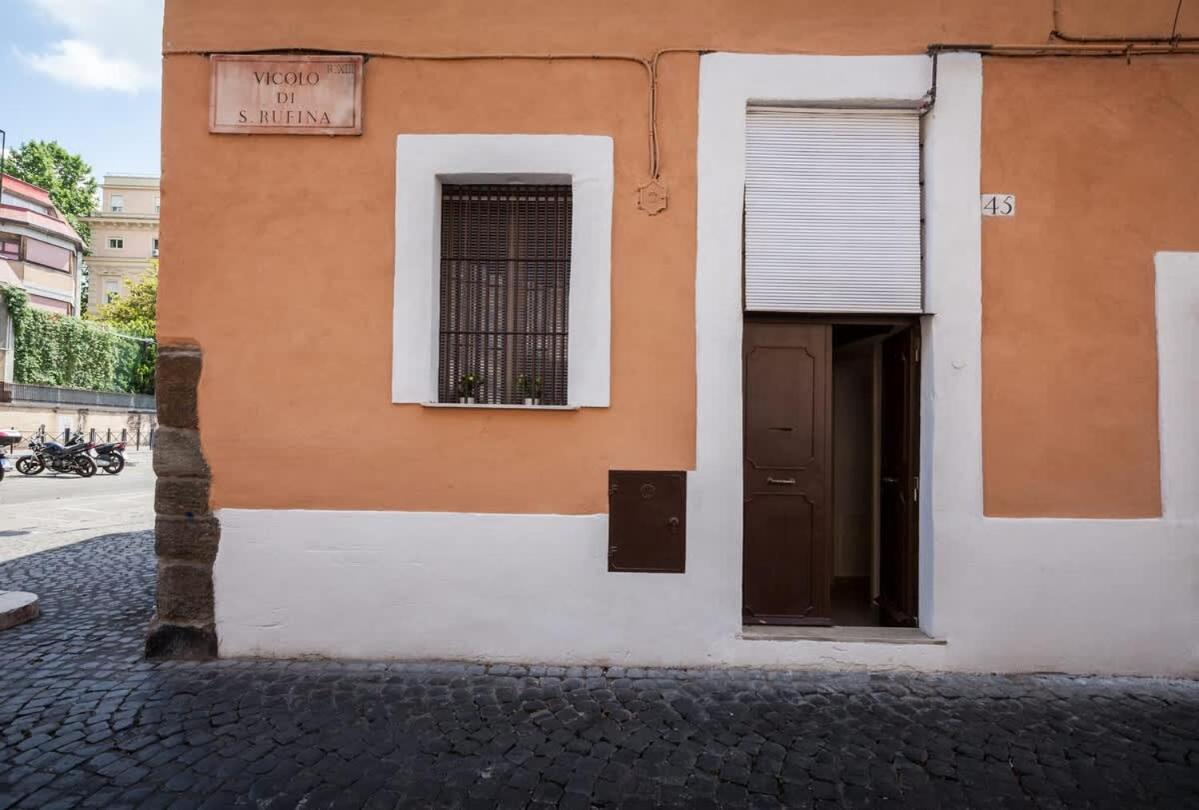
(504, 293)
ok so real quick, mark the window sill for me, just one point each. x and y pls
(499, 407)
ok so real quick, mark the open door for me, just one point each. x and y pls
(899, 490)
(787, 565)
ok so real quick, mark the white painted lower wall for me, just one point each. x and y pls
(1107, 596)
(432, 585)
(1102, 596)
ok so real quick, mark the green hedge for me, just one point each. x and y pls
(75, 353)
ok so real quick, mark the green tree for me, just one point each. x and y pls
(66, 176)
(134, 313)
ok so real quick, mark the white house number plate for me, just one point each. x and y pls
(999, 205)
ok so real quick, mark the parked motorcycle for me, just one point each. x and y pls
(72, 458)
(8, 440)
(110, 456)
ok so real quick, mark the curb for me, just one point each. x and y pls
(17, 607)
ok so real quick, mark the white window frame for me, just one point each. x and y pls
(116, 203)
(116, 243)
(154, 247)
(423, 163)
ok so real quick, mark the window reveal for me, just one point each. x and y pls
(10, 247)
(504, 293)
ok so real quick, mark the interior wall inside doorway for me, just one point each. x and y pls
(856, 427)
(853, 460)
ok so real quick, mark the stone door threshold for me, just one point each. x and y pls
(870, 635)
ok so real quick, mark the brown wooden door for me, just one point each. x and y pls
(899, 488)
(787, 574)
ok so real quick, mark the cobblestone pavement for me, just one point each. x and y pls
(84, 721)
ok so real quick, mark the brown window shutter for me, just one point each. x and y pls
(505, 292)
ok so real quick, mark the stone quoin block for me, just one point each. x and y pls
(177, 453)
(187, 539)
(186, 533)
(185, 592)
(176, 376)
(181, 496)
(181, 642)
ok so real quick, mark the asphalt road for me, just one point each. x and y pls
(49, 511)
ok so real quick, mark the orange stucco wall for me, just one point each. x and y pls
(289, 294)
(1101, 157)
(281, 248)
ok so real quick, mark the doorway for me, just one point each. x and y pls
(831, 463)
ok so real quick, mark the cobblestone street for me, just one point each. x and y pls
(85, 721)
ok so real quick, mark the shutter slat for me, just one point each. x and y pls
(832, 211)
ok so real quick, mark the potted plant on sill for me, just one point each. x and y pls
(468, 386)
(530, 388)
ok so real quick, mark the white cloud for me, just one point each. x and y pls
(109, 44)
(81, 63)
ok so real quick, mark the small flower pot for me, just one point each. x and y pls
(529, 400)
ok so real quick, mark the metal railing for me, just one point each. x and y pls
(24, 392)
(138, 437)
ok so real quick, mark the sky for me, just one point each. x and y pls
(85, 73)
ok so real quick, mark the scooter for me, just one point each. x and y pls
(73, 458)
(8, 440)
(110, 456)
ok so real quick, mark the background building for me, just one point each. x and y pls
(124, 235)
(39, 252)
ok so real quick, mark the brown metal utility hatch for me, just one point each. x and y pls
(647, 521)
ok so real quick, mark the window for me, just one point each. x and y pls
(504, 293)
(112, 289)
(116, 243)
(116, 203)
(517, 168)
(54, 305)
(10, 247)
(157, 205)
(47, 255)
(155, 248)
(21, 202)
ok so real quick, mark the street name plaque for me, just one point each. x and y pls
(286, 94)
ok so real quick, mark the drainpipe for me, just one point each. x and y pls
(7, 340)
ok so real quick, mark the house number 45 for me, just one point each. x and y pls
(999, 205)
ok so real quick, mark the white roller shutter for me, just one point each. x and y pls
(832, 210)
